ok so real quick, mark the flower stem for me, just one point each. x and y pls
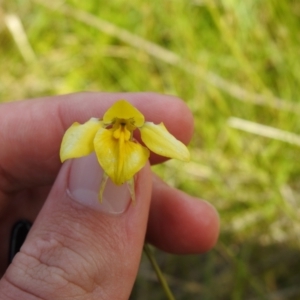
(158, 272)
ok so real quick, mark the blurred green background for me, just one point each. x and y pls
(236, 64)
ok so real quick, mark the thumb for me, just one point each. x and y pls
(79, 248)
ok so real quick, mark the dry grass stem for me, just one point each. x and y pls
(19, 35)
(265, 131)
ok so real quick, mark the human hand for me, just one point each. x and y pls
(77, 247)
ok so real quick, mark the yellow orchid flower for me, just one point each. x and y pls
(118, 153)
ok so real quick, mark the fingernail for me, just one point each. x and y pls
(84, 185)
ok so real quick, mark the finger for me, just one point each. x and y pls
(31, 131)
(179, 223)
(77, 247)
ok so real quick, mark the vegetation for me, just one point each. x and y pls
(236, 64)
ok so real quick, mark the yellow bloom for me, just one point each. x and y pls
(120, 156)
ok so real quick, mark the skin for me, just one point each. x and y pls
(73, 251)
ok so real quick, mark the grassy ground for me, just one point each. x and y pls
(236, 64)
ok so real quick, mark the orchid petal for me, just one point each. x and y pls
(123, 110)
(78, 139)
(159, 140)
(119, 159)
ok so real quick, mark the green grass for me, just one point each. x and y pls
(225, 59)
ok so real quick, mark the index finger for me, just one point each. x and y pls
(31, 131)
